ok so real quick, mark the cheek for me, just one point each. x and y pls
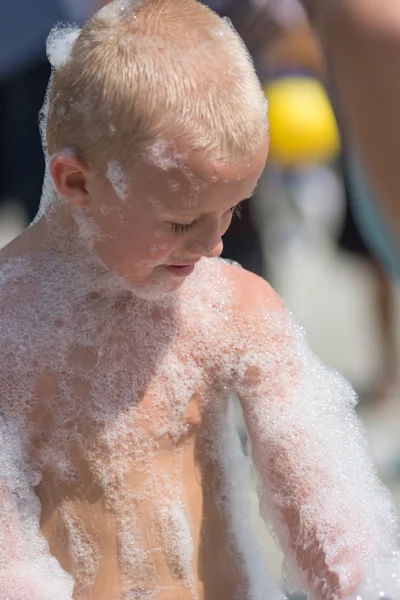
(157, 244)
(139, 247)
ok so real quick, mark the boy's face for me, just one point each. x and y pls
(171, 218)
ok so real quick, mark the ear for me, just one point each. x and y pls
(70, 175)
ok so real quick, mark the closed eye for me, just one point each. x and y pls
(183, 227)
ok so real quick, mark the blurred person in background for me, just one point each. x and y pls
(361, 46)
(302, 132)
(361, 42)
(354, 240)
(24, 75)
(257, 26)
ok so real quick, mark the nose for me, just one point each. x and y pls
(215, 250)
(206, 242)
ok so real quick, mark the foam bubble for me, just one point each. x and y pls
(174, 186)
(157, 247)
(114, 429)
(382, 579)
(115, 396)
(177, 540)
(330, 509)
(163, 155)
(26, 567)
(237, 483)
(116, 177)
(59, 44)
(120, 9)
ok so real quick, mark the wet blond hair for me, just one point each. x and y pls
(145, 70)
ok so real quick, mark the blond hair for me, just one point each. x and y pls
(142, 70)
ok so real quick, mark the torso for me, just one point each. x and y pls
(120, 402)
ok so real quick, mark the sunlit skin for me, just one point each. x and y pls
(152, 240)
(162, 226)
(171, 218)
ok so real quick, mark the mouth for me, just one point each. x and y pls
(180, 270)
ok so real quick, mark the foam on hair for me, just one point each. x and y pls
(59, 44)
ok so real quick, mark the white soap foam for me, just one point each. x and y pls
(60, 43)
(26, 567)
(107, 389)
(75, 376)
(120, 9)
(237, 483)
(318, 484)
(116, 176)
(382, 579)
(174, 186)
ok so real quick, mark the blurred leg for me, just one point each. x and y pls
(352, 240)
(387, 388)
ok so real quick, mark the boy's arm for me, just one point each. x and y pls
(27, 570)
(318, 484)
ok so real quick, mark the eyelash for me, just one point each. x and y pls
(179, 228)
(182, 228)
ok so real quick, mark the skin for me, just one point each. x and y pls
(205, 329)
(217, 572)
(358, 37)
(157, 226)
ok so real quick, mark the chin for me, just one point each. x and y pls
(157, 288)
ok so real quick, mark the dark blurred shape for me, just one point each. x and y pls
(24, 74)
(21, 156)
(241, 242)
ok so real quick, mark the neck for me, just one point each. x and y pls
(54, 231)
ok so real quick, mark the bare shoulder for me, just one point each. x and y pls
(251, 293)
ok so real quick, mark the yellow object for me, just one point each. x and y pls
(303, 128)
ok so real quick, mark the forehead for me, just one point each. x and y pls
(186, 182)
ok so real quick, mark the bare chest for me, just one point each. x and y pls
(118, 404)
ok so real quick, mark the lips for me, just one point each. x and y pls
(181, 270)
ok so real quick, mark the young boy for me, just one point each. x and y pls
(123, 338)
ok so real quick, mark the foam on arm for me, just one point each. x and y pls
(318, 485)
(27, 570)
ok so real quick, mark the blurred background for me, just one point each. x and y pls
(300, 230)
